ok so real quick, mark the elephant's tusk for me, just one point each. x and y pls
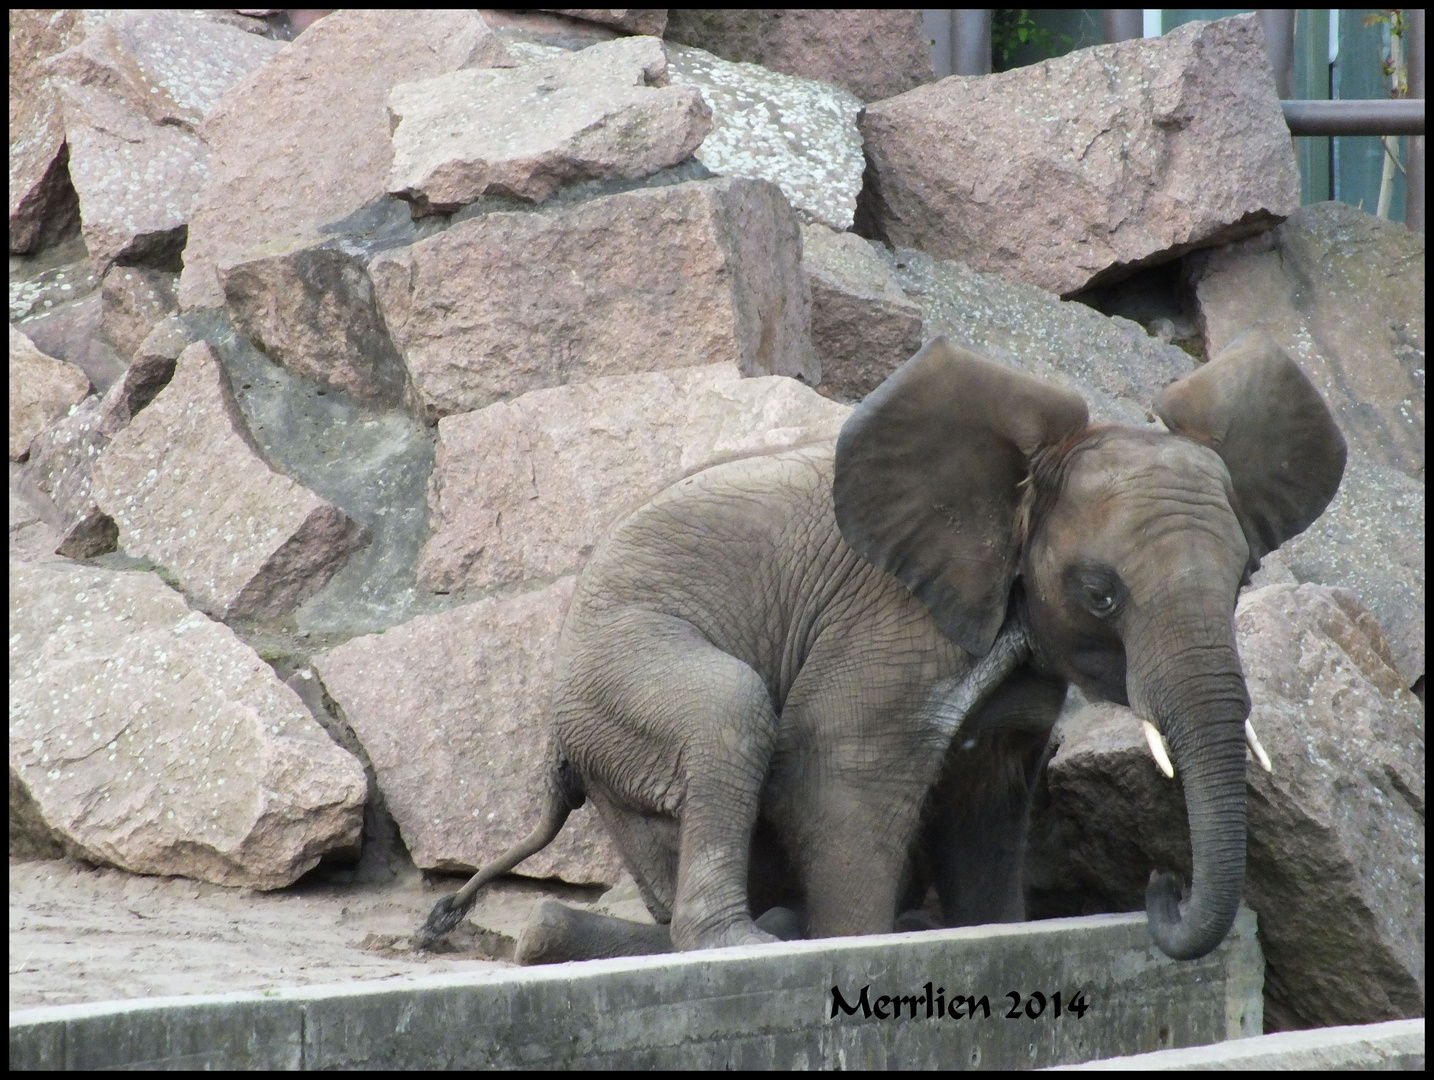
(1157, 748)
(1255, 747)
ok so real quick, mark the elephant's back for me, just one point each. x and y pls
(733, 550)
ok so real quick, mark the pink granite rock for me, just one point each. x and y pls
(873, 53)
(451, 711)
(676, 276)
(863, 326)
(145, 736)
(633, 20)
(305, 142)
(43, 207)
(132, 94)
(1077, 170)
(63, 456)
(188, 490)
(522, 490)
(312, 310)
(41, 390)
(604, 113)
(133, 300)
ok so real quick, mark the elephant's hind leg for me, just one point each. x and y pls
(556, 933)
(663, 684)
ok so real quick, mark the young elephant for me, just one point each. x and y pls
(770, 670)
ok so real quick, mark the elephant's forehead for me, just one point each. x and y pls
(1125, 466)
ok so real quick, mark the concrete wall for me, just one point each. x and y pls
(752, 1007)
(1397, 1045)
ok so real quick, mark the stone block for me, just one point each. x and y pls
(450, 709)
(150, 738)
(188, 491)
(1078, 170)
(863, 326)
(676, 276)
(42, 389)
(523, 490)
(306, 141)
(604, 113)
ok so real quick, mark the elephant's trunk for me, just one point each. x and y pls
(1202, 717)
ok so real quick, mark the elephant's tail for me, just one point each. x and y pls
(565, 794)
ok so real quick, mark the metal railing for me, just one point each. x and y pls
(971, 55)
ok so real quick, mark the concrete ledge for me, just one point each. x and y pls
(766, 1006)
(1396, 1045)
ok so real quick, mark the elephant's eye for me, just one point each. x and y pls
(1102, 603)
(1096, 588)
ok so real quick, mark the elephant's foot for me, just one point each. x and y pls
(744, 932)
(782, 923)
(556, 933)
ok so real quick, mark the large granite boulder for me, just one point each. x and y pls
(450, 709)
(131, 95)
(1076, 170)
(863, 326)
(659, 277)
(1343, 294)
(523, 490)
(604, 113)
(305, 142)
(1335, 864)
(41, 390)
(187, 490)
(873, 53)
(145, 736)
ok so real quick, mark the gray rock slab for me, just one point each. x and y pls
(604, 113)
(796, 132)
(1335, 863)
(42, 389)
(372, 465)
(766, 1006)
(1111, 362)
(863, 326)
(451, 710)
(676, 276)
(1077, 170)
(523, 490)
(131, 95)
(835, 46)
(152, 739)
(45, 280)
(188, 491)
(1343, 294)
(306, 141)
(1370, 540)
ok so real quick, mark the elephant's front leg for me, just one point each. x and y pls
(852, 864)
(976, 818)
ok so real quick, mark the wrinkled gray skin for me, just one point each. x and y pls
(798, 686)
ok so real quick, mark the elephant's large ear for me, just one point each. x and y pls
(1253, 405)
(928, 470)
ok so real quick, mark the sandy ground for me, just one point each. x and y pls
(80, 934)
